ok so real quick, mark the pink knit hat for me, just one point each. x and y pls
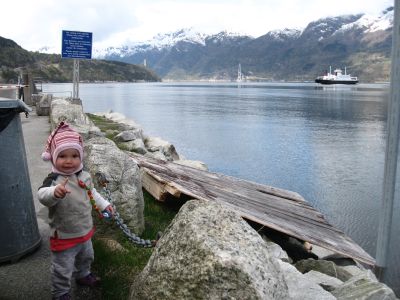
(63, 137)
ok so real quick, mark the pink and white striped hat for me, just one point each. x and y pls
(63, 137)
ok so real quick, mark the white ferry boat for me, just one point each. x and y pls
(337, 77)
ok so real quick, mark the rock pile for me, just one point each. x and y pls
(133, 139)
(208, 251)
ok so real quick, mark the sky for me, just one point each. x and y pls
(34, 24)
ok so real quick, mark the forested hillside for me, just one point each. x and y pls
(53, 68)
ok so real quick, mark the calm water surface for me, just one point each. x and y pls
(326, 143)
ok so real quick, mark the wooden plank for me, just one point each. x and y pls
(281, 210)
(167, 186)
(153, 186)
(156, 186)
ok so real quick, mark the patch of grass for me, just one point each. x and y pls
(122, 146)
(119, 269)
(157, 216)
(107, 126)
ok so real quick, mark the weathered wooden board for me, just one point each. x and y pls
(156, 187)
(279, 209)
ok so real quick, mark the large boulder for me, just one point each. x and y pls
(210, 252)
(102, 155)
(62, 109)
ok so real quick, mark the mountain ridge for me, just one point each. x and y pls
(51, 67)
(360, 42)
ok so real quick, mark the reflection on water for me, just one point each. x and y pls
(325, 142)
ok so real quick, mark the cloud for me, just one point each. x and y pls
(40, 22)
(34, 24)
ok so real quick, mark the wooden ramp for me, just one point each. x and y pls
(275, 208)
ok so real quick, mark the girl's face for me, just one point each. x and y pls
(68, 161)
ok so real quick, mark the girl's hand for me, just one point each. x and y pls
(110, 210)
(61, 189)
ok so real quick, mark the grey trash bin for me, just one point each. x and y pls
(18, 224)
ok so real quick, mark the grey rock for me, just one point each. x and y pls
(323, 266)
(154, 144)
(363, 287)
(328, 283)
(156, 155)
(341, 260)
(134, 146)
(102, 155)
(275, 250)
(357, 270)
(129, 135)
(300, 287)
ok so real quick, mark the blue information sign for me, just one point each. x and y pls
(76, 44)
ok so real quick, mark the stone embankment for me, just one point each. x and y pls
(209, 251)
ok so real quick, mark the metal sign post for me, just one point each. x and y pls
(76, 45)
(75, 81)
(392, 146)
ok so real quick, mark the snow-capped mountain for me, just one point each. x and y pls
(284, 34)
(326, 26)
(372, 24)
(159, 42)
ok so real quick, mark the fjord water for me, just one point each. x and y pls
(326, 143)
